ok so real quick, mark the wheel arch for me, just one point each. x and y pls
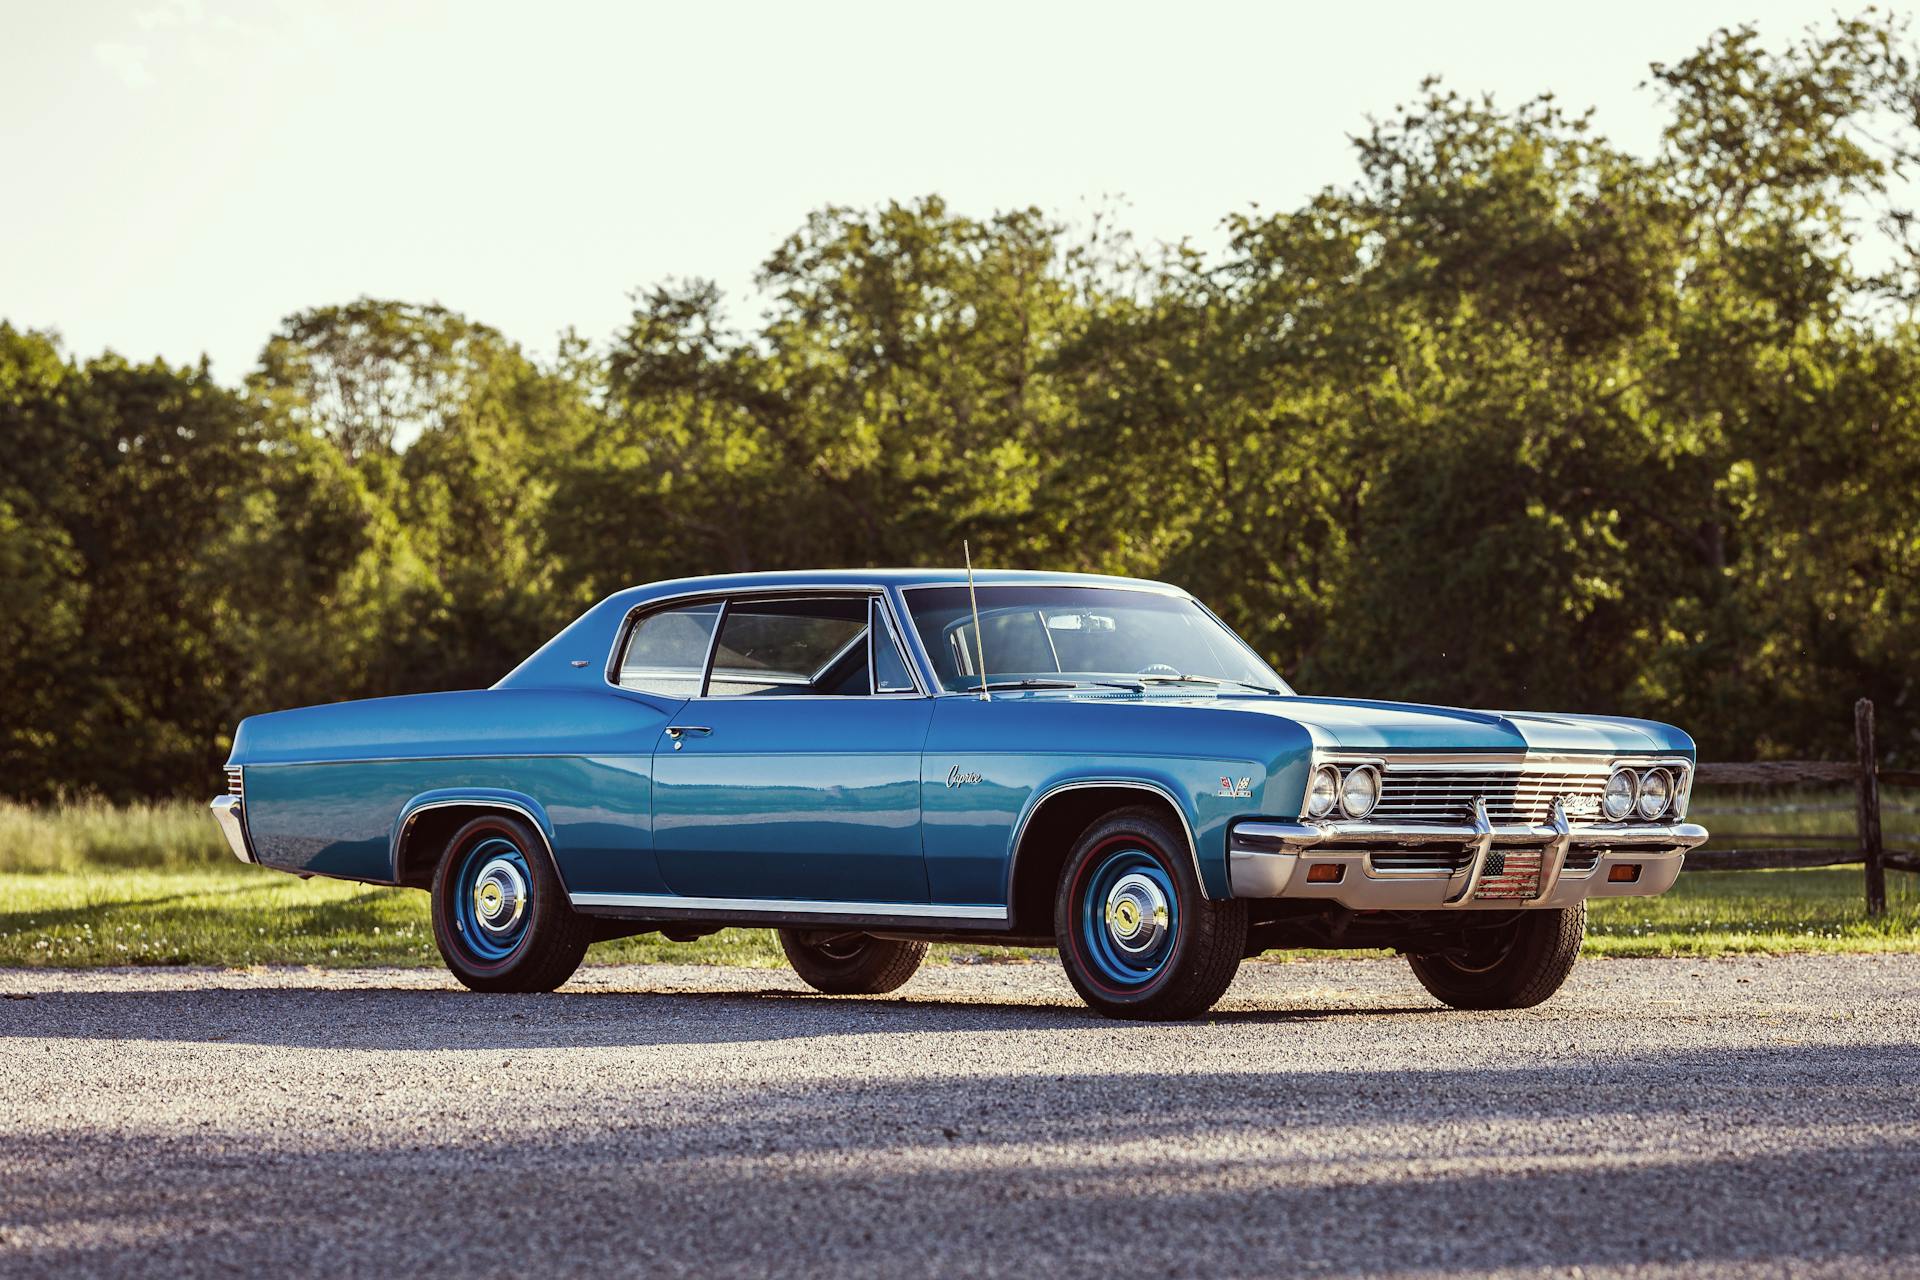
(1054, 819)
(429, 820)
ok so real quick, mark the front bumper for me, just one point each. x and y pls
(1273, 859)
(230, 814)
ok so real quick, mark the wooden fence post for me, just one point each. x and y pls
(1869, 814)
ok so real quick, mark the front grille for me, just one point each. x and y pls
(1514, 793)
(236, 785)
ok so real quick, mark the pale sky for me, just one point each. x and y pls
(178, 175)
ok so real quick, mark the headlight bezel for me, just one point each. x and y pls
(1666, 796)
(1632, 804)
(1312, 807)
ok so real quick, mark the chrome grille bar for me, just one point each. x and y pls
(1512, 792)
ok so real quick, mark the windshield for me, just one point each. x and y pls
(1047, 636)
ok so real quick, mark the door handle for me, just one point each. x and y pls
(679, 732)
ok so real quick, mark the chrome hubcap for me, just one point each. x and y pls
(499, 896)
(1136, 913)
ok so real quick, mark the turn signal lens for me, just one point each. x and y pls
(1361, 791)
(1623, 790)
(1323, 792)
(1624, 872)
(1325, 873)
(1656, 792)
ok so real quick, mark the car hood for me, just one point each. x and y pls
(1357, 724)
(1353, 724)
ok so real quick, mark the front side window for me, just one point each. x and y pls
(666, 652)
(1047, 635)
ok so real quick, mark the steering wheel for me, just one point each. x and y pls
(1158, 669)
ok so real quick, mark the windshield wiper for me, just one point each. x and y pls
(1029, 683)
(1032, 682)
(1188, 679)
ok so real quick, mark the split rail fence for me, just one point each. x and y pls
(1865, 847)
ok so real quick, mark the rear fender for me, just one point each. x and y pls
(515, 802)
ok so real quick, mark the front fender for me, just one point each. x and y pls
(1208, 794)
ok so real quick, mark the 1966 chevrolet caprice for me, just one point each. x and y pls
(869, 761)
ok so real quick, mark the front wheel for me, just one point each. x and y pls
(1137, 937)
(500, 917)
(851, 964)
(1515, 966)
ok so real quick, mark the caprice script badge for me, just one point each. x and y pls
(958, 777)
(1242, 790)
(1580, 806)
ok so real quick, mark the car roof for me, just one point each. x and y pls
(878, 578)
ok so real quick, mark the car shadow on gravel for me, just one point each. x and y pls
(406, 1018)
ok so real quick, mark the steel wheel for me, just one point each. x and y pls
(491, 895)
(1128, 915)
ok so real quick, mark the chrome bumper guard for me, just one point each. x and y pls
(230, 814)
(1266, 860)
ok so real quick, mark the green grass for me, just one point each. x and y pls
(90, 885)
(1769, 912)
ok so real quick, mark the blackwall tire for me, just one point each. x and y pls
(1518, 968)
(851, 964)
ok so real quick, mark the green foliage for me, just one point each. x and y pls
(1515, 419)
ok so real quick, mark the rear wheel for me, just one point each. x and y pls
(851, 964)
(1513, 967)
(500, 917)
(1136, 935)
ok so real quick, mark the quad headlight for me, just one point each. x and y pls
(1656, 793)
(1349, 790)
(1323, 791)
(1621, 795)
(1360, 791)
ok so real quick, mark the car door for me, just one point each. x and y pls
(795, 771)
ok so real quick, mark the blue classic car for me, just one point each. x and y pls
(869, 761)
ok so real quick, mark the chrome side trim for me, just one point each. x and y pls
(786, 906)
(230, 815)
(484, 755)
(1079, 784)
(399, 839)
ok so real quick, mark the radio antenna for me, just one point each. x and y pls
(979, 649)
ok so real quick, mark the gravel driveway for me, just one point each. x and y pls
(1727, 1117)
